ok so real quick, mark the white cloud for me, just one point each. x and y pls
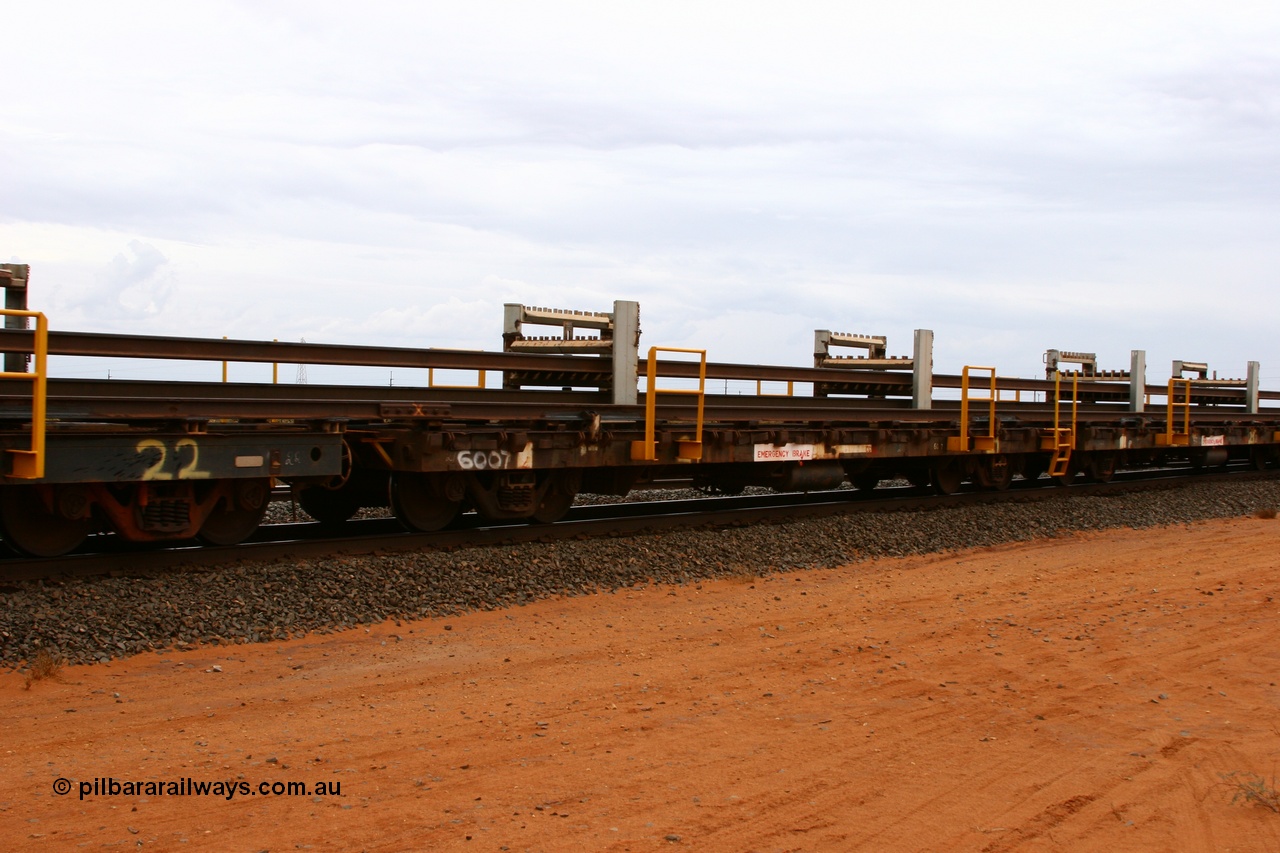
(995, 171)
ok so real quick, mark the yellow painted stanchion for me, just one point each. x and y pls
(963, 442)
(1062, 440)
(29, 464)
(1173, 437)
(791, 389)
(647, 450)
(431, 381)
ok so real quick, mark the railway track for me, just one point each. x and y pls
(108, 555)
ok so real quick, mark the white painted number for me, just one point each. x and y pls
(481, 460)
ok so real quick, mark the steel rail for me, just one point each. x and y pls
(382, 536)
(170, 402)
(134, 389)
(105, 345)
(591, 369)
(367, 405)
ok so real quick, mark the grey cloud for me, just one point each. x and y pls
(137, 286)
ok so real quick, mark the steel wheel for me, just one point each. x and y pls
(328, 506)
(558, 497)
(995, 472)
(1033, 465)
(947, 477)
(552, 507)
(918, 476)
(424, 502)
(236, 517)
(865, 481)
(1102, 467)
(31, 528)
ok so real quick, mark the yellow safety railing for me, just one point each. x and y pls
(964, 442)
(431, 381)
(647, 450)
(29, 464)
(1172, 437)
(1062, 440)
(791, 389)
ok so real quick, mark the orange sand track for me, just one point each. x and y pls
(1081, 694)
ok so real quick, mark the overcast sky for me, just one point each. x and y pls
(1015, 176)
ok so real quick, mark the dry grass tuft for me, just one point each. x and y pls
(1266, 512)
(47, 664)
(1254, 789)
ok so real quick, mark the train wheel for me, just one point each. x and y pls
(995, 472)
(1102, 467)
(327, 506)
(425, 502)
(865, 481)
(347, 465)
(918, 476)
(1033, 465)
(31, 528)
(947, 477)
(558, 497)
(236, 517)
(552, 508)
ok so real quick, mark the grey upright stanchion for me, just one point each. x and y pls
(1137, 380)
(1251, 387)
(626, 352)
(922, 370)
(14, 279)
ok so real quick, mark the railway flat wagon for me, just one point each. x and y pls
(577, 410)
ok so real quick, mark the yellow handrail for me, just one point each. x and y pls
(29, 464)
(986, 443)
(1172, 438)
(1057, 401)
(791, 389)
(431, 381)
(1063, 440)
(647, 450)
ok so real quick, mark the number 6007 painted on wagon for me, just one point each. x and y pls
(483, 460)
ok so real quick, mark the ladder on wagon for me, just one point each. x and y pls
(1061, 440)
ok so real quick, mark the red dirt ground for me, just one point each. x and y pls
(1085, 694)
